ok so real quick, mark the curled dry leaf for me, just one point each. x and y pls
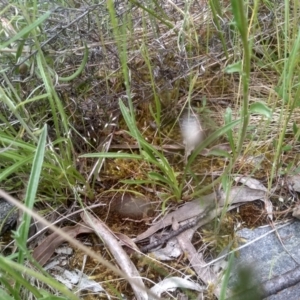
(171, 283)
(185, 212)
(171, 251)
(252, 183)
(203, 205)
(78, 279)
(257, 185)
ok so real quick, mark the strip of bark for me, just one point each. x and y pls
(118, 253)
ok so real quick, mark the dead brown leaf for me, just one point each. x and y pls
(45, 250)
(257, 185)
(203, 206)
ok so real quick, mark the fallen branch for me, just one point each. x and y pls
(272, 286)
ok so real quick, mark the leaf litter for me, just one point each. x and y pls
(198, 211)
(203, 210)
(195, 214)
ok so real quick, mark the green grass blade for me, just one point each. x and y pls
(81, 67)
(32, 188)
(112, 155)
(15, 167)
(5, 296)
(17, 276)
(238, 10)
(11, 266)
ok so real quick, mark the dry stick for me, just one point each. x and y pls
(73, 242)
(281, 282)
(182, 228)
(272, 286)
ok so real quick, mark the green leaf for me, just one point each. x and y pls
(148, 156)
(16, 143)
(286, 148)
(295, 128)
(296, 171)
(136, 181)
(32, 189)
(130, 122)
(16, 272)
(51, 297)
(228, 120)
(4, 295)
(234, 68)
(158, 177)
(261, 108)
(15, 167)
(7, 267)
(219, 152)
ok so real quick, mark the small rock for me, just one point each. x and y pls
(8, 216)
(130, 206)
